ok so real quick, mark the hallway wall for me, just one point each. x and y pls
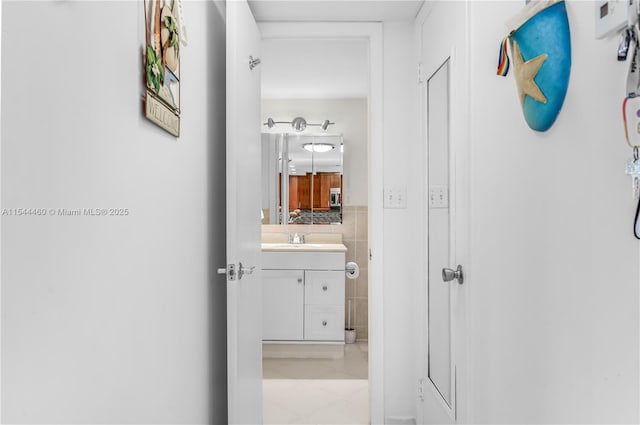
(554, 273)
(402, 168)
(110, 319)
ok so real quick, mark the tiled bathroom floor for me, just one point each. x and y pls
(316, 384)
(349, 361)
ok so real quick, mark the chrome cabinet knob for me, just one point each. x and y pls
(324, 287)
(324, 323)
(299, 280)
(448, 275)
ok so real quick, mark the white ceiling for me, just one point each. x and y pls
(314, 69)
(335, 10)
(307, 162)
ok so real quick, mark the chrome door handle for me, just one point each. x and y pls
(448, 275)
(244, 270)
(253, 62)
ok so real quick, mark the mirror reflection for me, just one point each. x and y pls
(302, 178)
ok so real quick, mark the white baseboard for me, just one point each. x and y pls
(399, 420)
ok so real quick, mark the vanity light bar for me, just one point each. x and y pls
(298, 123)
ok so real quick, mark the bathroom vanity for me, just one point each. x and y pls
(303, 292)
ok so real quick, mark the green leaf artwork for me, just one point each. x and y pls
(155, 73)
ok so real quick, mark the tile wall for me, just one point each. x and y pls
(354, 229)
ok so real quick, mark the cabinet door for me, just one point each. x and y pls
(325, 191)
(283, 305)
(304, 192)
(317, 188)
(294, 199)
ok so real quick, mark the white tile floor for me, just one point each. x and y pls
(316, 401)
(288, 361)
(329, 389)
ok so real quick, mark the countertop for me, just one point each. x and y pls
(304, 247)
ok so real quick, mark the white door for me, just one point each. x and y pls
(244, 296)
(439, 384)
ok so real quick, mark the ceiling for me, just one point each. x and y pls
(314, 69)
(304, 161)
(322, 68)
(335, 10)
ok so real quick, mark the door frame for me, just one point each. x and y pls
(372, 32)
(457, 52)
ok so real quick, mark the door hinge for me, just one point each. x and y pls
(420, 80)
(421, 389)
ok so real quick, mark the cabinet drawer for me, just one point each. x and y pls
(324, 287)
(324, 323)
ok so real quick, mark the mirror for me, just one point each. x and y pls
(308, 182)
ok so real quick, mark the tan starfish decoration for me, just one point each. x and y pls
(524, 73)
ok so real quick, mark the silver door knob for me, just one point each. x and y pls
(448, 275)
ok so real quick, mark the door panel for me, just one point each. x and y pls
(440, 396)
(244, 299)
(439, 313)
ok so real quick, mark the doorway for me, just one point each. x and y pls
(443, 387)
(344, 370)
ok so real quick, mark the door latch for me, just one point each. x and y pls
(230, 271)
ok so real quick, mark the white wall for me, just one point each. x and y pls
(110, 319)
(552, 282)
(555, 332)
(401, 242)
(351, 119)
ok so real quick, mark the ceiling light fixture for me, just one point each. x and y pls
(318, 147)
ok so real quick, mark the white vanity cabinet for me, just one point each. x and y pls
(282, 304)
(303, 296)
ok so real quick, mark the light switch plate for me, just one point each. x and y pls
(438, 197)
(395, 197)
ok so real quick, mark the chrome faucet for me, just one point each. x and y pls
(296, 238)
